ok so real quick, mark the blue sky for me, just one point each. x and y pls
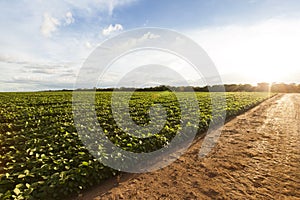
(44, 43)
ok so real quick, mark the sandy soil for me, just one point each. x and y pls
(257, 157)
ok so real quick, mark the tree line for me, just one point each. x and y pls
(260, 87)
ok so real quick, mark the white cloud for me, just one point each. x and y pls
(69, 18)
(144, 38)
(149, 35)
(36, 76)
(149, 60)
(88, 45)
(49, 25)
(25, 38)
(107, 6)
(137, 40)
(112, 28)
(116, 3)
(265, 51)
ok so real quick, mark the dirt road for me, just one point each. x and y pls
(257, 157)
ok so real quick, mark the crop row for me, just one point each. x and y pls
(42, 157)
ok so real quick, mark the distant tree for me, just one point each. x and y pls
(263, 87)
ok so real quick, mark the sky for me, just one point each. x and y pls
(43, 44)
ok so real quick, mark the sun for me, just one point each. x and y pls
(268, 75)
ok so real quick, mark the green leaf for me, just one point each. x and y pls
(21, 176)
(84, 163)
(17, 191)
(129, 145)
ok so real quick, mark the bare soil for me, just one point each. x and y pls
(256, 157)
